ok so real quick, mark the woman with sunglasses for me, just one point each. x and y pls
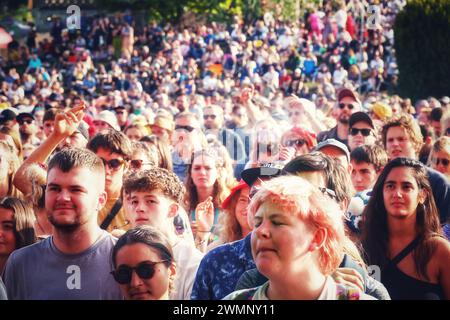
(440, 156)
(143, 263)
(402, 235)
(300, 139)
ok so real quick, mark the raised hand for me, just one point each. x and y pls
(67, 122)
(204, 215)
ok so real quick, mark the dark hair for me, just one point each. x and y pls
(50, 115)
(70, 158)
(375, 237)
(155, 179)
(114, 141)
(436, 114)
(149, 236)
(24, 220)
(372, 154)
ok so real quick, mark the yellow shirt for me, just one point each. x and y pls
(119, 221)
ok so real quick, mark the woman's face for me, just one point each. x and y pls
(204, 171)
(440, 161)
(241, 208)
(134, 134)
(7, 238)
(401, 193)
(155, 288)
(296, 141)
(281, 242)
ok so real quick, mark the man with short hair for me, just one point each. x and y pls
(401, 137)
(75, 262)
(336, 150)
(115, 149)
(367, 163)
(155, 198)
(435, 121)
(121, 112)
(348, 103)
(361, 130)
(27, 129)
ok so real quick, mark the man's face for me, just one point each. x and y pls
(363, 175)
(240, 117)
(101, 126)
(121, 115)
(346, 107)
(72, 199)
(398, 144)
(114, 176)
(27, 126)
(75, 140)
(212, 119)
(48, 127)
(436, 127)
(338, 154)
(359, 134)
(182, 103)
(151, 208)
(185, 130)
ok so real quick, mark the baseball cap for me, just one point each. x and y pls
(348, 93)
(334, 143)
(24, 115)
(358, 117)
(7, 115)
(267, 170)
(109, 118)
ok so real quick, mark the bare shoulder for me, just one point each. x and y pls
(442, 249)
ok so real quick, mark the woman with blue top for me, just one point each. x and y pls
(402, 234)
(205, 192)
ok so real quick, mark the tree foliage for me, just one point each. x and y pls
(422, 33)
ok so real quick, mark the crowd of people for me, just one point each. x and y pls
(262, 161)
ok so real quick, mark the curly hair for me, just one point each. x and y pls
(411, 127)
(155, 179)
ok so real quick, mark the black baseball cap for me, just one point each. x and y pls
(7, 115)
(267, 170)
(24, 115)
(358, 117)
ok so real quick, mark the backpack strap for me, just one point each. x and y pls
(112, 214)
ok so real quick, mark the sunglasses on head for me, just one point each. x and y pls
(444, 162)
(28, 121)
(343, 105)
(212, 116)
(144, 270)
(187, 128)
(295, 143)
(137, 164)
(113, 164)
(364, 132)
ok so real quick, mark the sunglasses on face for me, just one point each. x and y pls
(343, 105)
(137, 164)
(145, 270)
(187, 128)
(206, 116)
(113, 164)
(444, 162)
(295, 143)
(447, 132)
(294, 113)
(28, 121)
(364, 132)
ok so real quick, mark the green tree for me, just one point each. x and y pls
(422, 33)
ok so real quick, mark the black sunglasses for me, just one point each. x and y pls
(297, 113)
(444, 162)
(187, 128)
(364, 132)
(137, 164)
(114, 164)
(212, 116)
(296, 143)
(144, 270)
(349, 105)
(447, 132)
(29, 121)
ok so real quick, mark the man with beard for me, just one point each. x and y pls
(68, 131)
(27, 129)
(73, 263)
(348, 103)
